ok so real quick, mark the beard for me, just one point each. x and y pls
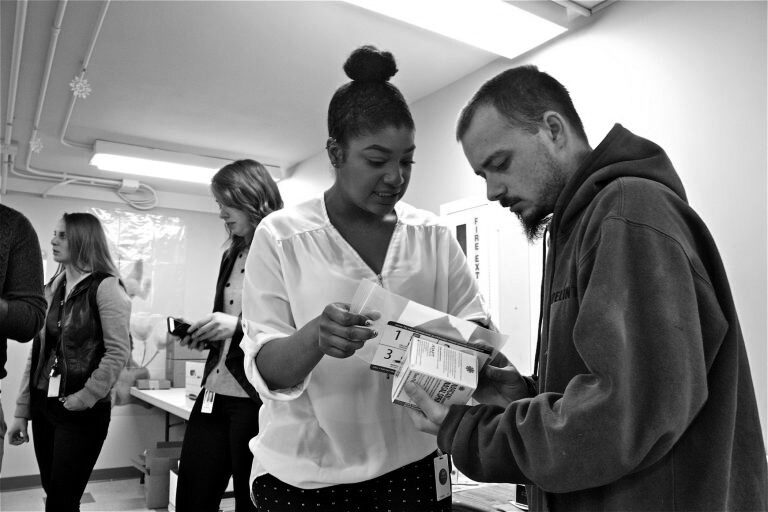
(554, 181)
(534, 227)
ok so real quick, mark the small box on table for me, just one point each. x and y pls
(153, 384)
(176, 358)
(193, 379)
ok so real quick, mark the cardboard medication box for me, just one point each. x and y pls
(448, 375)
(193, 379)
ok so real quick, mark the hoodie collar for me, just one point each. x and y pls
(620, 154)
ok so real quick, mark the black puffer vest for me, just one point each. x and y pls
(81, 342)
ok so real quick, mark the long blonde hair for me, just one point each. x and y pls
(88, 248)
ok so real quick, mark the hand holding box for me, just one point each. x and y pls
(448, 375)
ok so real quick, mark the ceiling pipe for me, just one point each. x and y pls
(39, 174)
(13, 84)
(73, 99)
(28, 172)
(52, 44)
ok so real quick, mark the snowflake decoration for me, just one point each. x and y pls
(35, 144)
(80, 87)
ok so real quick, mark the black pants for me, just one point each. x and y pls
(410, 488)
(67, 445)
(216, 447)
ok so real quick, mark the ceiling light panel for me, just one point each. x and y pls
(491, 25)
(127, 159)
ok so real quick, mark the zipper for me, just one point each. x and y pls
(60, 324)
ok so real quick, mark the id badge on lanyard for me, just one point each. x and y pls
(442, 477)
(208, 397)
(54, 378)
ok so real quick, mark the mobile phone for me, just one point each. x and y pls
(177, 327)
(521, 497)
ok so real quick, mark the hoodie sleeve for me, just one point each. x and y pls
(647, 326)
(22, 309)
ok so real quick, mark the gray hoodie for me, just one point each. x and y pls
(644, 399)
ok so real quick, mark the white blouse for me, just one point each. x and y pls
(339, 425)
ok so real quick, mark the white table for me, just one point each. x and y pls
(173, 401)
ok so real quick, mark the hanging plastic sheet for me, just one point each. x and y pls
(149, 252)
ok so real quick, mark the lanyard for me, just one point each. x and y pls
(55, 369)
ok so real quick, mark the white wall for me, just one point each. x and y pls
(308, 179)
(690, 76)
(133, 427)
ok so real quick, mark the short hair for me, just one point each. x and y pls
(246, 185)
(88, 247)
(369, 102)
(522, 95)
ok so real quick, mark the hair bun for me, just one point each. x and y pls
(369, 64)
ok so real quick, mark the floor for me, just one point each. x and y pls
(126, 495)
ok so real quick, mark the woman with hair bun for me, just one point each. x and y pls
(75, 360)
(226, 413)
(330, 437)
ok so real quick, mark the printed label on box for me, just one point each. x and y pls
(396, 337)
(449, 376)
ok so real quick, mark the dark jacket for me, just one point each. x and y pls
(235, 355)
(21, 280)
(91, 361)
(645, 399)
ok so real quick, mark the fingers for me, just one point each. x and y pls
(341, 333)
(507, 374)
(422, 399)
(18, 439)
(422, 422)
(192, 343)
(195, 326)
(339, 313)
(432, 411)
(204, 332)
(73, 403)
(218, 327)
(17, 435)
(343, 344)
(499, 360)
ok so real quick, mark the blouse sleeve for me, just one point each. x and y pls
(267, 314)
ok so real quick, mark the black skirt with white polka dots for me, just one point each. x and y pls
(408, 489)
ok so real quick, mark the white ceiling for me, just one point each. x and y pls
(219, 78)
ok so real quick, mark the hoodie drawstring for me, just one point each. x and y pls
(541, 301)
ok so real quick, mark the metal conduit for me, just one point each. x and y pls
(38, 174)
